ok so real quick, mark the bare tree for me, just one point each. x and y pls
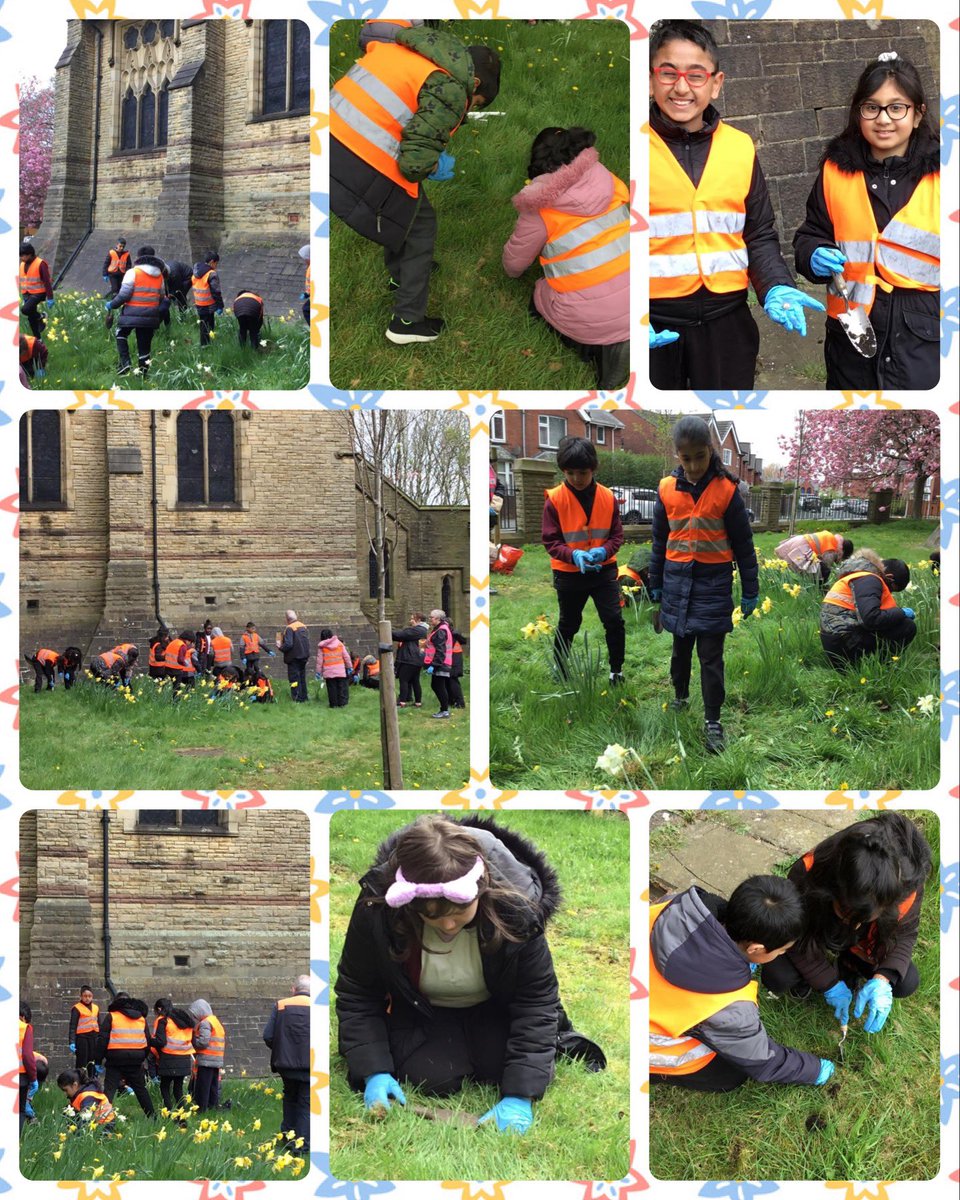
(426, 454)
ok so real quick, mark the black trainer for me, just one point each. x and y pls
(713, 735)
(403, 333)
(679, 703)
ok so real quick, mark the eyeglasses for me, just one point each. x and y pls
(696, 77)
(896, 112)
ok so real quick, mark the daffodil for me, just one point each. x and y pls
(612, 760)
(926, 704)
(767, 604)
(737, 616)
(829, 712)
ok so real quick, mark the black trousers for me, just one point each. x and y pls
(456, 692)
(115, 279)
(158, 672)
(441, 689)
(710, 652)
(409, 676)
(144, 339)
(86, 1044)
(30, 308)
(69, 678)
(573, 592)
(410, 265)
(249, 329)
(338, 693)
(851, 647)
(717, 355)
(206, 1088)
(24, 1086)
(43, 671)
(717, 1076)
(611, 363)
(135, 1080)
(171, 1090)
(207, 322)
(297, 674)
(781, 975)
(296, 1111)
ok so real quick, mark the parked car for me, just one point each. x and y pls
(636, 504)
(805, 503)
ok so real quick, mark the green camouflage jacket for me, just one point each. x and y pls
(443, 101)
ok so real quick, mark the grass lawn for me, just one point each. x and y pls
(878, 1118)
(83, 354)
(581, 1126)
(242, 1143)
(791, 720)
(554, 73)
(199, 744)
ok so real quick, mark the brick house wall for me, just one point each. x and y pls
(231, 902)
(522, 431)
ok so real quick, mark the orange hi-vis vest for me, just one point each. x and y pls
(866, 947)
(202, 295)
(119, 262)
(103, 1114)
(45, 655)
(124, 648)
(373, 669)
(582, 251)
(127, 1033)
(371, 104)
(697, 530)
(906, 253)
(841, 594)
(212, 1054)
(823, 542)
(696, 233)
(222, 649)
(87, 1018)
(179, 1041)
(578, 532)
(111, 659)
(26, 349)
(332, 654)
(253, 296)
(673, 1011)
(23, 1033)
(147, 292)
(157, 654)
(30, 282)
(251, 644)
(171, 655)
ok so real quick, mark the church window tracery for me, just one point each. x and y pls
(286, 67)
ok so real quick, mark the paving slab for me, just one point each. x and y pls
(794, 831)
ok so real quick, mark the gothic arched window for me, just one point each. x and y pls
(163, 103)
(144, 119)
(131, 37)
(206, 466)
(148, 119)
(286, 67)
(149, 33)
(128, 122)
(41, 471)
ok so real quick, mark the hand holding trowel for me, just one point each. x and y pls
(827, 262)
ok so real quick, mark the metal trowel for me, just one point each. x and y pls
(855, 322)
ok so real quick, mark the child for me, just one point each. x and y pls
(861, 888)
(72, 662)
(333, 666)
(210, 1042)
(446, 974)
(252, 647)
(705, 1027)
(92, 1107)
(123, 1047)
(438, 660)
(712, 231)
(84, 1035)
(156, 661)
(113, 668)
(814, 554)
(206, 294)
(45, 665)
(874, 214)
(248, 309)
(172, 1044)
(575, 216)
(35, 285)
(28, 1064)
(582, 532)
(634, 577)
(859, 614)
(700, 527)
(408, 660)
(160, 1009)
(370, 672)
(33, 356)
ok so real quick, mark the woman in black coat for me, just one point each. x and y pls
(408, 660)
(446, 974)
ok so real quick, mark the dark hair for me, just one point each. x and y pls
(486, 68)
(554, 147)
(867, 868)
(846, 549)
(577, 454)
(121, 241)
(211, 256)
(145, 250)
(25, 1012)
(662, 32)
(163, 1006)
(765, 909)
(250, 625)
(935, 560)
(906, 77)
(27, 248)
(73, 1075)
(434, 849)
(897, 573)
(325, 633)
(696, 432)
(85, 987)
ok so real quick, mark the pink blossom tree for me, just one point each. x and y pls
(36, 147)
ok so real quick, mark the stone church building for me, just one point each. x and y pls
(186, 135)
(164, 903)
(131, 518)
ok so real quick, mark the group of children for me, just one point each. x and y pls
(873, 218)
(700, 530)
(841, 925)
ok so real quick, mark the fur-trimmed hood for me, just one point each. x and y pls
(582, 187)
(130, 1007)
(508, 854)
(923, 156)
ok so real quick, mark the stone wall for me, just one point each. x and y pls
(233, 902)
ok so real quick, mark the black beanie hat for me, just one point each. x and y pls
(898, 573)
(486, 67)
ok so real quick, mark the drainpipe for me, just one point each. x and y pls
(105, 826)
(153, 506)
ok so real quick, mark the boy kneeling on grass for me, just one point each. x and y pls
(705, 1027)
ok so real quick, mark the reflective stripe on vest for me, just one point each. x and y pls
(87, 1018)
(841, 594)
(222, 649)
(906, 253)
(111, 659)
(26, 350)
(147, 290)
(103, 1114)
(119, 263)
(674, 1010)
(822, 543)
(578, 533)
(250, 643)
(212, 1055)
(127, 1033)
(30, 281)
(696, 233)
(179, 1041)
(252, 295)
(431, 649)
(582, 251)
(371, 104)
(332, 654)
(202, 296)
(697, 529)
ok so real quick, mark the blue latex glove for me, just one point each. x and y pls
(108, 306)
(380, 1089)
(908, 612)
(218, 312)
(748, 604)
(597, 554)
(785, 305)
(513, 1114)
(304, 295)
(106, 279)
(877, 996)
(663, 338)
(40, 373)
(32, 1089)
(839, 997)
(581, 560)
(826, 260)
(28, 1110)
(72, 1047)
(49, 304)
(444, 168)
(429, 670)
(826, 1070)
(656, 594)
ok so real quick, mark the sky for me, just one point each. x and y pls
(760, 428)
(45, 51)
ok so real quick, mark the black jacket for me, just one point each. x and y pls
(177, 1065)
(295, 644)
(370, 203)
(907, 321)
(129, 1007)
(519, 975)
(867, 595)
(410, 654)
(287, 1033)
(766, 265)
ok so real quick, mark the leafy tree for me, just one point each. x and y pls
(36, 147)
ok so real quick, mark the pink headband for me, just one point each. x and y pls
(458, 891)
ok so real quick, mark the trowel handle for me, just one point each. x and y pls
(840, 284)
